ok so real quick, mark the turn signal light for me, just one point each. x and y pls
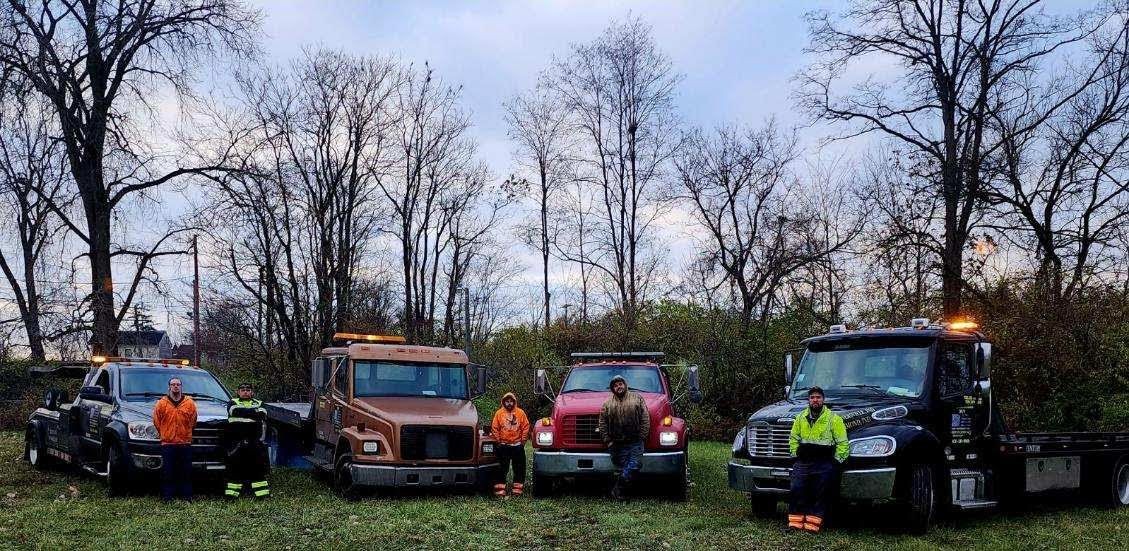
(668, 421)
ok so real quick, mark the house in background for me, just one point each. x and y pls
(144, 344)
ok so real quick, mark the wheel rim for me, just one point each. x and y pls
(1122, 484)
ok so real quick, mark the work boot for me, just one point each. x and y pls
(500, 490)
(617, 489)
(813, 523)
(796, 522)
(518, 489)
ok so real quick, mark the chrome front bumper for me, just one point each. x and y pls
(385, 476)
(857, 485)
(152, 463)
(573, 464)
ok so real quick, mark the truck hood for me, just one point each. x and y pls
(581, 403)
(855, 411)
(206, 411)
(421, 410)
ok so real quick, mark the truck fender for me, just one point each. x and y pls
(352, 439)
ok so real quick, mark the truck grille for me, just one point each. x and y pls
(419, 442)
(767, 440)
(207, 435)
(581, 429)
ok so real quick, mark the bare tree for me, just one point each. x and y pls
(98, 61)
(741, 188)
(539, 130)
(1063, 185)
(957, 60)
(33, 179)
(619, 92)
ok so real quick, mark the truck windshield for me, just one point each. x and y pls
(383, 378)
(875, 368)
(596, 379)
(145, 384)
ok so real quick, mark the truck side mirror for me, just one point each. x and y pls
(788, 368)
(540, 382)
(984, 360)
(94, 394)
(482, 379)
(694, 384)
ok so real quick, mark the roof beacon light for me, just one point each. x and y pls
(840, 328)
(378, 339)
(919, 323)
(963, 325)
(98, 359)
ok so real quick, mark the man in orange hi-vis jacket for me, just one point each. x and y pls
(510, 429)
(174, 416)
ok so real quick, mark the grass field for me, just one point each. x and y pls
(56, 510)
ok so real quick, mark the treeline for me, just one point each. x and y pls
(345, 191)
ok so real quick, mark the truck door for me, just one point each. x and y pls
(92, 418)
(330, 402)
(960, 404)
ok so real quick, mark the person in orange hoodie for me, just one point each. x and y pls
(510, 428)
(174, 417)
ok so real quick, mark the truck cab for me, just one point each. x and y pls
(567, 444)
(924, 429)
(107, 430)
(386, 414)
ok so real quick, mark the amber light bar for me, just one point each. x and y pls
(380, 339)
(123, 359)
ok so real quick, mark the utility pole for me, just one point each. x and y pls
(466, 321)
(195, 303)
(566, 307)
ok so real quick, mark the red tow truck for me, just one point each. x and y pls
(567, 444)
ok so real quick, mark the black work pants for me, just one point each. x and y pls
(814, 487)
(247, 469)
(176, 471)
(511, 455)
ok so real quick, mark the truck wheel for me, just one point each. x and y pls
(921, 496)
(763, 506)
(543, 486)
(343, 482)
(34, 452)
(1119, 490)
(117, 472)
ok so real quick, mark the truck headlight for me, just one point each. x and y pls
(488, 447)
(544, 439)
(143, 430)
(874, 446)
(668, 438)
(371, 446)
(739, 441)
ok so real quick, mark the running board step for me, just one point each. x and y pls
(971, 505)
(92, 468)
(319, 463)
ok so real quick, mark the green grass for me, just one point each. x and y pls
(62, 510)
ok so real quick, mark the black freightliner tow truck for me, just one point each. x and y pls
(925, 430)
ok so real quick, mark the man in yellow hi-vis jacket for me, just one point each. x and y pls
(247, 462)
(819, 444)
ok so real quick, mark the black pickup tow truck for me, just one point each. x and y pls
(107, 430)
(925, 431)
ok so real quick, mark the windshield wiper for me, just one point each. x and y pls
(207, 396)
(144, 394)
(875, 388)
(578, 390)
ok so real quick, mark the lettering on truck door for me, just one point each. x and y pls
(960, 402)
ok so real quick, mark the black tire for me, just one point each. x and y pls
(542, 486)
(117, 472)
(343, 483)
(921, 497)
(34, 452)
(1117, 492)
(763, 506)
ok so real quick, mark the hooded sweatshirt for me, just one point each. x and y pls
(510, 428)
(175, 420)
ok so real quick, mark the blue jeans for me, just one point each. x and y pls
(627, 458)
(176, 471)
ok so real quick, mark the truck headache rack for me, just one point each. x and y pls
(597, 356)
